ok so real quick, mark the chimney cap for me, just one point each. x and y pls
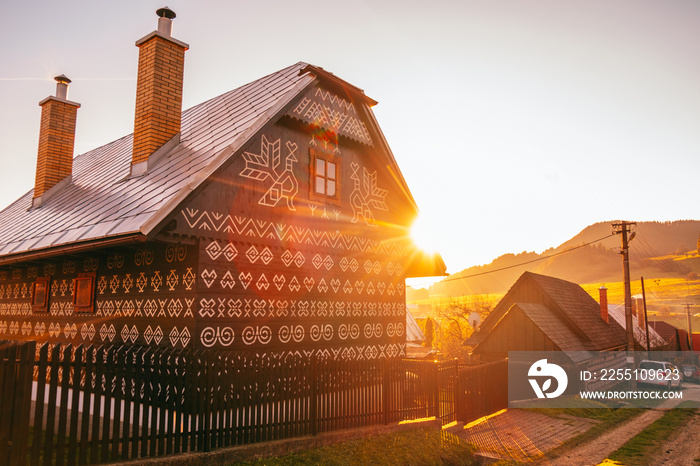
(62, 79)
(165, 12)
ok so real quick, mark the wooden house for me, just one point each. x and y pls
(676, 338)
(542, 313)
(272, 218)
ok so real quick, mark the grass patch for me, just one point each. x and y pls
(638, 448)
(608, 418)
(575, 406)
(591, 409)
(414, 447)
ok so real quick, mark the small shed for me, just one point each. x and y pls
(543, 313)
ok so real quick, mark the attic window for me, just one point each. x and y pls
(40, 294)
(325, 173)
(84, 294)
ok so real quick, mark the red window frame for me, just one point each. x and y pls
(84, 293)
(40, 294)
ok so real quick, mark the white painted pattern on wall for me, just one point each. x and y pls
(266, 166)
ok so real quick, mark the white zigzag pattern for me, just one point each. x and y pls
(214, 221)
(334, 99)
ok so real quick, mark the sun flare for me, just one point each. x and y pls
(423, 235)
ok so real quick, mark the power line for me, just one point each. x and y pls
(667, 266)
(449, 279)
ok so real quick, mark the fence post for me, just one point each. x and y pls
(207, 396)
(314, 387)
(458, 393)
(385, 390)
(436, 392)
(42, 369)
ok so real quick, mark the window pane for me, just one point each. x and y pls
(320, 167)
(320, 185)
(83, 288)
(331, 171)
(331, 188)
(39, 294)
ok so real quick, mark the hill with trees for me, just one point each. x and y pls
(658, 250)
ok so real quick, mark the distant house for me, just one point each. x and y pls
(676, 338)
(271, 219)
(656, 341)
(542, 313)
(415, 338)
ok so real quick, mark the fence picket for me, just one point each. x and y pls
(98, 406)
(6, 366)
(108, 391)
(124, 438)
(51, 411)
(119, 382)
(20, 431)
(178, 402)
(169, 381)
(42, 367)
(147, 412)
(75, 400)
(162, 401)
(89, 405)
(137, 402)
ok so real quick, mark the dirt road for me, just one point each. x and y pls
(682, 448)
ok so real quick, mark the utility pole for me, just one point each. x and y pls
(690, 325)
(646, 317)
(623, 228)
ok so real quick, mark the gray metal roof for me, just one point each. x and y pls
(617, 312)
(556, 329)
(102, 201)
(413, 331)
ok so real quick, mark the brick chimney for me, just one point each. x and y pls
(640, 311)
(158, 93)
(604, 304)
(54, 163)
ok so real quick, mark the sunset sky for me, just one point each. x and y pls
(515, 123)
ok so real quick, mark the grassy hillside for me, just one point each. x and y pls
(658, 250)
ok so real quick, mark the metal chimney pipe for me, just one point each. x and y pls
(62, 82)
(165, 21)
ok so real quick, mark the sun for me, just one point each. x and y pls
(423, 235)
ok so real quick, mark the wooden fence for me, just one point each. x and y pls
(483, 390)
(101, 404)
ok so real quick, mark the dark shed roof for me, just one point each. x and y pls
(563, 310)
(666, 330)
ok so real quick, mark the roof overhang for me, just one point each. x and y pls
(423, 264)
(329, 77)
(72, 248)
